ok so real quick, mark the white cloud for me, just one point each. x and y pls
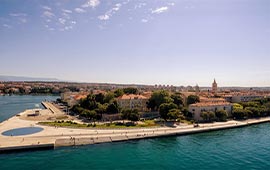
(117, 7)
(68, 27)
(6, 25)
(23, 20)
(139, 5)
(111, 12)
(91, 3)
(160, 10)
(67, 11)
(104, 17)
(18, 14)
(79, 10)
(144, 20)
(21, 17)
(47, 8)
(66, 15)
(62, 20)
(48, 14)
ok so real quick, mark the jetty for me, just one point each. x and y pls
(53, 137)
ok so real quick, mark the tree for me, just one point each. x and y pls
(165, 108)
(157, 98)
(100, 98)
(130, 90)
(118, 92)
(89, 102)
(89, 114)
(177, 99)
(113, 108)
(193, 99)
(208, 116)
(254, 111)
(130, 114)
(250, 104)
(174, 114)
(109, 97)
(240, 113)
(237, 106)
(221, 115)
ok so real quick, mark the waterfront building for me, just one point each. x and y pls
(133, 101)
(197, 108)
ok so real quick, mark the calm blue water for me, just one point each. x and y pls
(243, 148)
(11, 105)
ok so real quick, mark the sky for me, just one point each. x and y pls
(171, 42)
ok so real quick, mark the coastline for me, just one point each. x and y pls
(53, 137)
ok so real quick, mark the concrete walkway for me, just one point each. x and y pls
(55, 136)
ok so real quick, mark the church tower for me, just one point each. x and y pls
(197, 89)
(214, 87)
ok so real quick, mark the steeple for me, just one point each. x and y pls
(214, 87)
(197, 89)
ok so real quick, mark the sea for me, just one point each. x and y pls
(242, 148)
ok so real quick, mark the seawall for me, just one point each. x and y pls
(76, 141)
(108, 136)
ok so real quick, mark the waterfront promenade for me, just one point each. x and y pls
(57, 137)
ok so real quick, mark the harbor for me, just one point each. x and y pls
(52, 137)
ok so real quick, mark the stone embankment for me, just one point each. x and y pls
(51, 137)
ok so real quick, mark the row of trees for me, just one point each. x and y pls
(210, 116)
(253, 109)
(94, 105)
(170, 106)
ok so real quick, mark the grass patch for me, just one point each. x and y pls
(187, 122)
(147, 123)
(61, 117)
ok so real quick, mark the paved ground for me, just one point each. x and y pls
(68, 136)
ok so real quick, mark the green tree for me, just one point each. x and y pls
(208, 116)
(193, 99)
(157, 98)
(254, 112)
(118, 92)
(240, 113)
(89, 114)
(237, 106)
(174, 114)
(177, 99)
(109, 97)
(165, 108)
(130, 90)
(89, 102)
(221, 115)
(100, 98)
(130, 114)
(113, 108)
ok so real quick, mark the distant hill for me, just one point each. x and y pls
(20, 78)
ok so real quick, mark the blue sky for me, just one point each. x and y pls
(175, 42)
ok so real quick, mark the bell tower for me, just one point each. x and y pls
(214, 87)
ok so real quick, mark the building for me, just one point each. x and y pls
(197, 108)
(133, 101)
(73, 98)
(197, 89)
(214, 87)
(245, 98)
